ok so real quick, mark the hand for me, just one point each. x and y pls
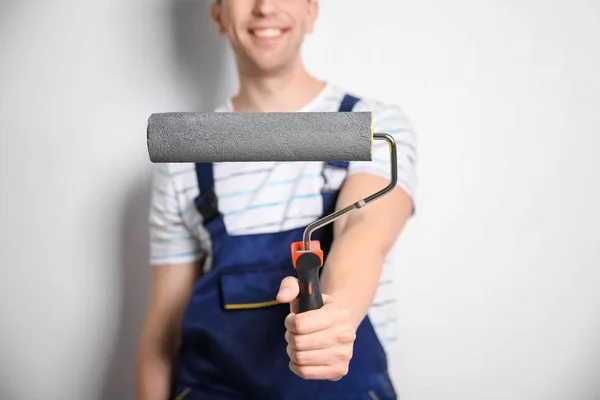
(320, 342)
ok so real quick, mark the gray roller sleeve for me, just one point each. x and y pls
(236, 137)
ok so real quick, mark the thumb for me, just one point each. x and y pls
(288, 290)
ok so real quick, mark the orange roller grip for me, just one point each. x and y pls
(297, 250)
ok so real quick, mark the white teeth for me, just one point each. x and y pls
(267, 33)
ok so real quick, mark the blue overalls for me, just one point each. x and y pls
(233, 344)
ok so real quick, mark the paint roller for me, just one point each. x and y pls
(189, 137)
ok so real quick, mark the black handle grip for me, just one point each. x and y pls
(307, 267)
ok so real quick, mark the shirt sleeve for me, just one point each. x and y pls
(171, 241)
(391, 119)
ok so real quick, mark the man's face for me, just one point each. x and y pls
(265, 34)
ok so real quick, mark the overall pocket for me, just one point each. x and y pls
(252, 288)
(183, 394)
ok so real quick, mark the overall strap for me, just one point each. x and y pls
(347, 105)
(206, 202)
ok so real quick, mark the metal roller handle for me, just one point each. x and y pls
(361, 203)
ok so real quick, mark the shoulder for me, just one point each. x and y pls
(173, 176)
(390, 118)
(172, 169)
(386, 115)
(380, 108)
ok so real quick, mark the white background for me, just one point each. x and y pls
(499, 281)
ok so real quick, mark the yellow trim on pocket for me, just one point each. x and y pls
(251, 305)
(184, 393)
(373, 395)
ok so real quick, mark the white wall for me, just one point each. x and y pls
(500, 276)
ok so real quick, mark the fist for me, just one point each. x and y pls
(319, 342)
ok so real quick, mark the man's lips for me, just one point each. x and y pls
(267, 32)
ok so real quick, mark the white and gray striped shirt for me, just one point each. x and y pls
(263, 197)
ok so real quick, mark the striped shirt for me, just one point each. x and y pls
(265, 197)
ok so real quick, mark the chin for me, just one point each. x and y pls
(271, 64)
(271, 67)
(272, 57)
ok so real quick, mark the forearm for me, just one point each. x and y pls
(353, 267)
(160, 337)
(154, 370)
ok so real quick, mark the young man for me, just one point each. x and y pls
(221, 321)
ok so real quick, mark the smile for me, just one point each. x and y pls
(267, 33)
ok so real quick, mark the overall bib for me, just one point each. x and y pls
(233, 344)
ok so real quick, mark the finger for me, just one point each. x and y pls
(316, 320)
(320, 372)
(294, 306)
(321, 340)
(314, 341)
(330, 356)
(326, 299)
(307, 322)
(288, 289)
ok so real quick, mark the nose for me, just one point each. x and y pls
(264, 7)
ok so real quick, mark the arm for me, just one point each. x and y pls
(320, 342)
(363, 239)
(171, 288)
(176, 257)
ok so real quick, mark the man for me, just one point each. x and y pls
(219, 325)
